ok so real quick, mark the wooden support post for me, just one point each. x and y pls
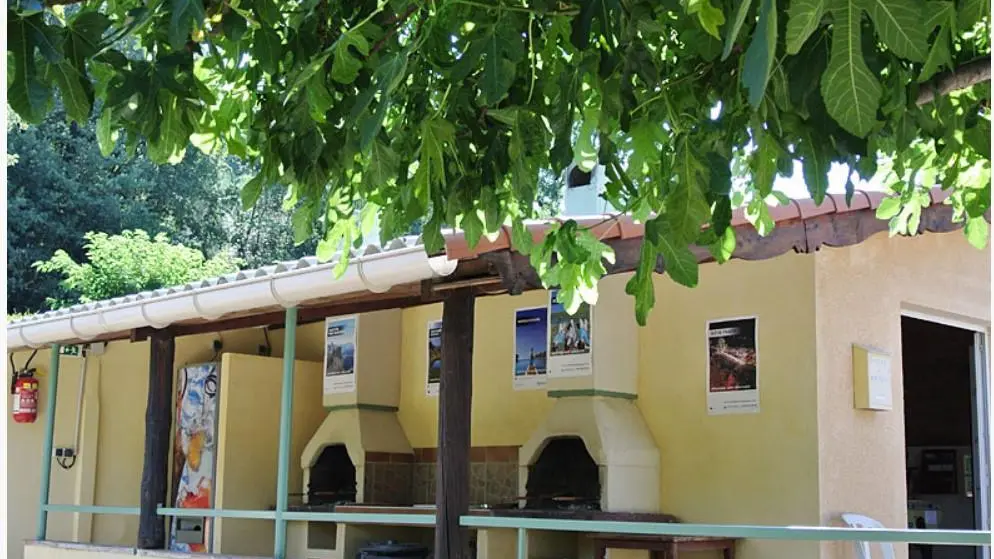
(151, 526)
(454, 404)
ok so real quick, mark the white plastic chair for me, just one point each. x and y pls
(863, 548)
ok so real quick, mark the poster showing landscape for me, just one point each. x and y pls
(341, 339)
(434, 357)
(732, 372)
(531, 348)
(569, 340)
(194, 447)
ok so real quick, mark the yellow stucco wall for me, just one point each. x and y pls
(248, 440)
(803, 459)
(749, 468)
(861, 292)
(501, 414)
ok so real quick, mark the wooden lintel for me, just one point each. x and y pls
(515, 271)
(454, 417)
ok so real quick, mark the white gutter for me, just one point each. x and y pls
(244, 291)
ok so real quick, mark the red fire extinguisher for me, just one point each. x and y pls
(25, 406)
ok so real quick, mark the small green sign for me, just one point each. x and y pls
(71, 350)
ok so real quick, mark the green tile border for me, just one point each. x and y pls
(579, 392)
(361, 407)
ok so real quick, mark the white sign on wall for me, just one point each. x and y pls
(872, 379)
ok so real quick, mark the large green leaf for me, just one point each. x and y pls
(943, 16)
(106, 136)
(83, 38)
(900, 24)
(759, 55)
(498, 70)
(75, 89)
(584, 152)
(186, 16)
(850, 91)
(803, 17)
(815, 165)
(763, 162)
(346, 65)
(681, 264)
(267, 49)
(733, 31)
(26, 93)
(686, 207)
(640, 284)
(972, 11)
(383, 164)
(710, 17)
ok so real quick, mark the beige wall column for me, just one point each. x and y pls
(861, 292)
(86, 465)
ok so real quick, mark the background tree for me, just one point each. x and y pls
(60, 186)
(446, 112)
(117, 265)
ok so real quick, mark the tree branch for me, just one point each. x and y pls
(962, 77)
(51, 3)
(397, 21)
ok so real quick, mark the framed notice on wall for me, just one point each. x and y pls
(340, 341)
(434, 377)
(733, 366)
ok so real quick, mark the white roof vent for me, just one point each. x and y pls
(583, 192)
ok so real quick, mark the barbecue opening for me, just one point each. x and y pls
(564, 476)
(332, 479)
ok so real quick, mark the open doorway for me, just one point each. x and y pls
(945, 418)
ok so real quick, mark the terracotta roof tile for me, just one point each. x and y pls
(624, 227)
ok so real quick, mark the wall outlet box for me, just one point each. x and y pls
(872, 387)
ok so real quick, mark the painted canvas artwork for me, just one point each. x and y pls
(194, 447)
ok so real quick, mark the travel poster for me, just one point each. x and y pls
(531, 343)
(733, 373)
(194, 447)
(340, 354)
(434, 357)
(569, 340)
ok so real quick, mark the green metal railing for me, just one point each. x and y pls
(522, 526)
(793, 533)
(93, 509)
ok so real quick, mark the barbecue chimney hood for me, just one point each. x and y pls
(365, 420)
(601, 410)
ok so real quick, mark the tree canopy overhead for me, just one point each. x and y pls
(448, 110)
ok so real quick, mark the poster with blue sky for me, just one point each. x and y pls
(341, 338)
(531, 348)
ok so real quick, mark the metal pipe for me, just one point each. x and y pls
(79, 404)
(46, 459)
(286, 417)
(522, 543)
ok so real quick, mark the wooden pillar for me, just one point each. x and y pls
(454, 403)
(151, 526)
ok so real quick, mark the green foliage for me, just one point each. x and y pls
(131, 262)
(61, 186)
(448, 113)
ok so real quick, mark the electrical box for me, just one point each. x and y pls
(872, 385)
(189, 530)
